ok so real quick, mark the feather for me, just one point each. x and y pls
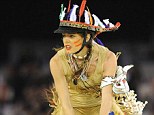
(87, 20)
(126, 68)
(106, 23)
(73, 13)
(111, 25)
(82, 7)
(98, 22)
(90, 17)
(69, 14)
(62, 14)
(61, 11)
(95, 20)
(69, 5)
(99, 41)
(118, 24)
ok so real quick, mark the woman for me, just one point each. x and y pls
(72, 90)
(82, 70)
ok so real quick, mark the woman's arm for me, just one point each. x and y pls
(61, 85)
(109, 68)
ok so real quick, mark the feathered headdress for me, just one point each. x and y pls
(80, 19)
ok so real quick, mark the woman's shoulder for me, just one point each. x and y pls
(103, 50)
(57, 57)
(99, 47)
(100, 50)
(111, 55)
(54, 59)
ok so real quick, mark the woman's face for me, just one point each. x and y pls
(72, 42)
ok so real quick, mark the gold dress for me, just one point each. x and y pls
(85, 96)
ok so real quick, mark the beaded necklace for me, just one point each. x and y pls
(79, 57)
(79, 72)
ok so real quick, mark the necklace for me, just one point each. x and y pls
(79, 57)
(79, 72)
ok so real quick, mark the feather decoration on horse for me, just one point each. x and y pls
(82, 7)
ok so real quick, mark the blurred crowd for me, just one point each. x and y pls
(25, 75)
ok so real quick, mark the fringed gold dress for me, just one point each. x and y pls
(85, 96)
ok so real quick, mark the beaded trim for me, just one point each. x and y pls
(81, 25)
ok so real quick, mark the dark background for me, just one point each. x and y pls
(27, 39)
(36, 20)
